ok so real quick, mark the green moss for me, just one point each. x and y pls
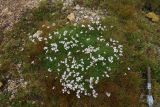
(84, 40)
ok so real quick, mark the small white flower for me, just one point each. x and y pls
(53, 88)
(112, 26)
(56, 33)
(129, 68)
(97, 22)
(107, 75)
(75, 24)
(32, 62)
(83, 25)
(111, 39)
(50, 59)
(110, 59)
(43, 25)
(45, 39)
(37, 34)
(45, 48)
(108, 94)
(50, 37)
(88, 39)
(49, 70)
(40, 38)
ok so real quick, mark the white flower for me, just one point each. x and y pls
(32, 62)
(110, 59)
(69, 53)
(120, 46)
(78, 95)
(37, 34)
(111, 39)
(108, 94)
(50, 59)
(94, 93)
(50, 37)
(45, 48)
(83, 25)
(97, 22)
(81, 32)
(53, 88)
(54, 47)
(115, 49)
(77, 35)
(88, 39)
(56, 33)
(43, 25)
(45, 39)
(49, 70)
(40, 38)
(97, 80)
(64, 33)
(107, 76)
(129, 68)
(112, 26)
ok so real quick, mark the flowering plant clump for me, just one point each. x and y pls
(81, 56)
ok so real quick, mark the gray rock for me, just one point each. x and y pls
(71, 17)
(77, 7)
(93, 13)
(53, 24)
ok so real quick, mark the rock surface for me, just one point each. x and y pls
(80, 14)
(71, 17)
(11, 11)
(153, 16)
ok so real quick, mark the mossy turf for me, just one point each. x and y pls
(73, 32)
(138, 35)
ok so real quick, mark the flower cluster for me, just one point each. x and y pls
(81, 56)
(36, 36)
